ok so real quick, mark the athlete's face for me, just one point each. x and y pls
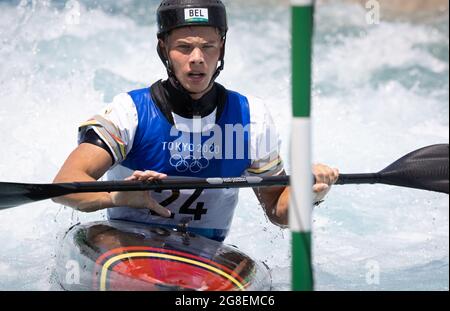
(194, 53)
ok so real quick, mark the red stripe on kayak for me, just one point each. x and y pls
(215, 281)
(146, 271)
(121, 250)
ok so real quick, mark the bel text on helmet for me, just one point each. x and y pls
(174, 14)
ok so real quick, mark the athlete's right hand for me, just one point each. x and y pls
(141, 199)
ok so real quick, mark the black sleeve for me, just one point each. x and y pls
(91, 137)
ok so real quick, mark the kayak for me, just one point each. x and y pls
(125, 256)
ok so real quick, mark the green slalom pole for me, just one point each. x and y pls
(301, 182)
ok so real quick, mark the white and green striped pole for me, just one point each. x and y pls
(301, 180)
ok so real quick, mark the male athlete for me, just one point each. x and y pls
(187, 125)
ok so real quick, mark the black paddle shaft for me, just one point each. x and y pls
(14, 194)
(426, 168)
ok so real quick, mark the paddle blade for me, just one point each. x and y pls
(426, 168)
(14, 194)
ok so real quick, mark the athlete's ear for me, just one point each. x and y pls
(162, 45)
(222, 38)
(163, 48)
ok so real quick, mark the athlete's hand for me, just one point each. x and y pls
(325, 177)
(141, 199)
(146, 176)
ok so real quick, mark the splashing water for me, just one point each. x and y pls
(380, 91)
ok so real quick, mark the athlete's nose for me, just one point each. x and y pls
(197, 56)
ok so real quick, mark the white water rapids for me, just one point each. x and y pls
(380, 91)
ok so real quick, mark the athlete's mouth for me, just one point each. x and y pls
(196, 75)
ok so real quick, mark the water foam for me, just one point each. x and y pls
(380, 92)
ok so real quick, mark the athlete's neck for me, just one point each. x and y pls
(198, 96)
(176, 85)
(171, 99)
(190, 105)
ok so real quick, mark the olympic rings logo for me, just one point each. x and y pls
(184, 164)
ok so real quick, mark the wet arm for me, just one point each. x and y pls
(86, 163)
(275, 202)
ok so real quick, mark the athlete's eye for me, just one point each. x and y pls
(209, 46)
(184, 47)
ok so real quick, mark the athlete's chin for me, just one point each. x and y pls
(196, 88)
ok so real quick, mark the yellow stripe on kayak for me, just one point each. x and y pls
(113, 260)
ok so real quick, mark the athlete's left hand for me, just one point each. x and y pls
(146, 176)
(325, 177)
